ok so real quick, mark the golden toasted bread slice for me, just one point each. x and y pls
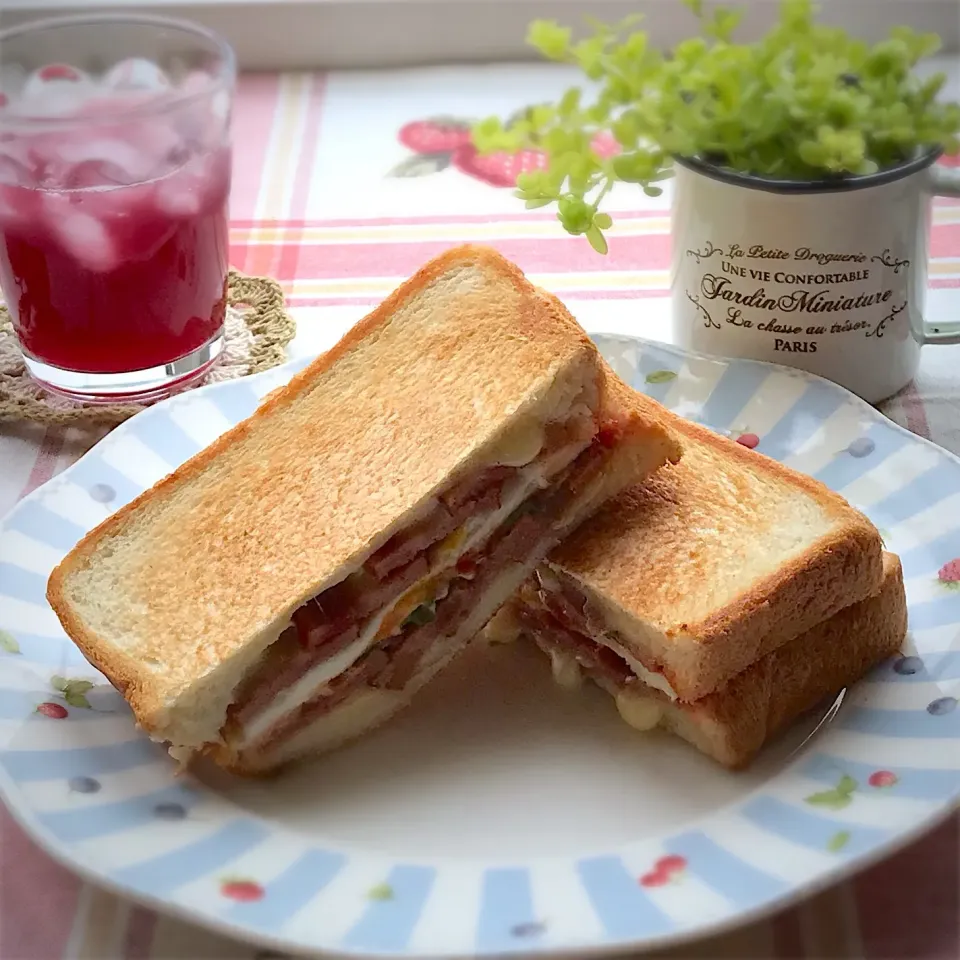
(733, 723)
(716, 561)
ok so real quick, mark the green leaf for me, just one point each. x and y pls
(660, 376)
(846, 785)
(831, 799)
(597, 240)
(838, 841)
(77, 699)
(421, 615)
(382, 891)
(552, 40)
(569, 103)
(421, 165)
(59, 683)
(801, 101)
(8, 642)
(445, 120)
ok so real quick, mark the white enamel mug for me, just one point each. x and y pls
(828, 277)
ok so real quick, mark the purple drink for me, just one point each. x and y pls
(113, 224)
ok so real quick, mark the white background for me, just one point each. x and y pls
(303, 34)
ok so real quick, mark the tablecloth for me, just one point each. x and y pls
(342, 187)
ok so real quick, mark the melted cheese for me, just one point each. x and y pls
(640, 712)
(566, 671)
(520, 444)
(503, 627)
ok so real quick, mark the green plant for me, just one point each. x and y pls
(803, 102)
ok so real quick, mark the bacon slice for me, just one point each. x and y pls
(407, 650)
(393, 663)
(471, 488)
(560, 610)
(404, 546)
(593, 657)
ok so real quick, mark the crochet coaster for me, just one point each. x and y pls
(256, 333)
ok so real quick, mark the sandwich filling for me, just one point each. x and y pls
(578, 639)
(386, 623)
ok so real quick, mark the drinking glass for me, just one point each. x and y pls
(114, 180)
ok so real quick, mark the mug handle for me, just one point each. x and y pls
(944, 183)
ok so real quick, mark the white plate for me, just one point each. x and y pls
(498, 815)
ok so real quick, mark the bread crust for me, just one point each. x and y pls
(734, 722)
(701, 569)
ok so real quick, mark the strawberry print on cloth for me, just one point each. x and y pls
(439, 143)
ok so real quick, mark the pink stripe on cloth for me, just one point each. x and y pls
(400, 258)
(256, 104)
(46, 464)
(945, 240)
(289, 264)
(913, 410)
(139, 937)
(414, 220)
(909, 905)
(38, 898)
(787, 939)
(373, 299)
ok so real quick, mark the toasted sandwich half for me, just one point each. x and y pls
(294, 584)
(719, 598)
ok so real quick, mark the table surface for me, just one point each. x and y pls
(327, 199)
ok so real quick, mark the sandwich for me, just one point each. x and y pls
(295, 583)
(718, 599)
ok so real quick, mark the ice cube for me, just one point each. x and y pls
(55, 76)
(157, 138)
(103, 106)
(18, 205)
(136, 73)
(180, 195)
(186, 191)
(56, 90)
(8, 211)
(14, 169)
(25, 161)
(86, 239)
(220, 105)
(120, 208)
(90, 174)
(203, 120)
(196, 81)
(102, 161)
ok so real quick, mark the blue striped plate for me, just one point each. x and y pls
(498, 815)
